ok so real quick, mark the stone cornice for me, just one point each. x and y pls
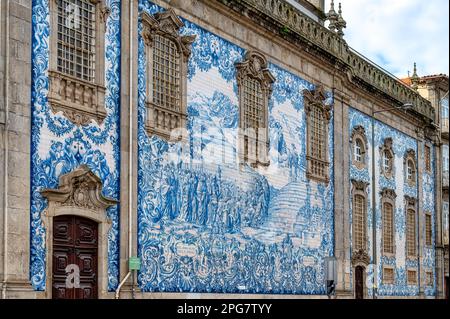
(283, 19)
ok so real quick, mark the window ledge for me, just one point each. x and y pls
(80, 101)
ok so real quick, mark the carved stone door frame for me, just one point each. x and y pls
(360, 259)
(79, 194)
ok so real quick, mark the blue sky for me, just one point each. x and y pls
(397, 33)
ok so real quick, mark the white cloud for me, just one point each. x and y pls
(397, 33)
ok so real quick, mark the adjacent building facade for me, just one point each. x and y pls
(435, 89)
(231, 146)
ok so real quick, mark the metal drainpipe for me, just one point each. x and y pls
(5, 177)
(374, 218)
(130, 149)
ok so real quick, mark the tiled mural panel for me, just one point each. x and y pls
(58, 146)
(401, 144)
(206, 225)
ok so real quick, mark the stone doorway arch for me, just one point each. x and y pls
(360, 262)
(79, 194)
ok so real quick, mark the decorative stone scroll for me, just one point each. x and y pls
(80, 188)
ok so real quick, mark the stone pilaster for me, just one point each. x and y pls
(341, 195)
(15, 101)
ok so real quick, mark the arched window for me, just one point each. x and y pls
(359, 151)
(359, 142)
(318, 117)
(388, 222)
(255, 87)
(410, 167)
(77, 63)
(167, 53)
(387, 158)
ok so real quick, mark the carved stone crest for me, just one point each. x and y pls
(387, 143)
(360, 185)
(255, 65)
(360, 257)
(359, 131)
(168, 24)
(389, 194)
(410, 201)
(317, 98)
(80, 188)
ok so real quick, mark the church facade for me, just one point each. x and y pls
(229, 148)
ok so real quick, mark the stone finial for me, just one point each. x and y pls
(341, 23)
(332, 17)
(415, 78)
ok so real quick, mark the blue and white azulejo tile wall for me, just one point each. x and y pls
(204, 224)
(58, 146)
(401, 144)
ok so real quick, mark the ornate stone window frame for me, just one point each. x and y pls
(359, 134)
(410, 158)
(79, 194)
(166, 123)
(410, 205)
(254, 142)
(360, 189)
(388, 196)
(79, 100)
(387, 149)
(385, 267)
(408, 281)
(312, 100)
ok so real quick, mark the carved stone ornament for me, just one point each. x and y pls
(410, 201)
(317, 98)
(167, 24)
(360, 257)
(80, 188)
(359, 131)
(255, 65)
(388, 194)
(388, 143)
(360, 185)
(410, 154)
(104, 14)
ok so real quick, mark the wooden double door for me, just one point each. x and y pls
(75, 258)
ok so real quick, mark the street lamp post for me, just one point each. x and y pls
(404, 107)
